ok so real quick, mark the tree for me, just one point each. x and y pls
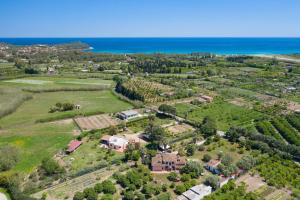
(78, 196)
(246, 162)
(90, 194)
(173, 176)
(98, 187)
(156, 133)
(108, 187)
(179, 189)
(167, 109)
(227, 160)
(206, 157)
(208, 127)
(9, 157)
(190, 150)
(129, 195)
(51, 167)
(185, 177)
(234, 133)
(112, 130)
(193, 168)
(213, 181)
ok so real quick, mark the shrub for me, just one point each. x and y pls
(172, 176)
(206, 157)
(179, 189)
(78, 196)
(9, 157)
(108, 187)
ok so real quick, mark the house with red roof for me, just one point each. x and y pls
(73, 145)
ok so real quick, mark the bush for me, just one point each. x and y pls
(213, 181)
(9, 157)
(107, 197)
(190, 149)
(193, 168)
(179, 189)
(172, 176)
(206, 157)
(78, 196)
(108, 187)
(51, 167)
(98, 187)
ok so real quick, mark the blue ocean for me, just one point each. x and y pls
(176, 45)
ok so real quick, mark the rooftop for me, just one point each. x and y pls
(74, 144)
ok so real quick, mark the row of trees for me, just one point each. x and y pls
(106, 187)
(294, 120)
(265, 127)
(261, 142)
(285, 129)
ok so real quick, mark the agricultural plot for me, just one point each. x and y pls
(266, 128)
(180, 128)
(258, 186)
(146, 91)
(290, 134)
(66, 190)
(36, 141)
(96, 122)
(224, 113)
(38, 108)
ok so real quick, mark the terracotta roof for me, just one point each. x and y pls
(161, 158)
(213, 163)
(74, 144)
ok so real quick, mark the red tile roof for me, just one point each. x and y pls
(74, 144)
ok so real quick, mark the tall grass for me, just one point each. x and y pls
(13, 105)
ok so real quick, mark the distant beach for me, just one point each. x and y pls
(263, 46)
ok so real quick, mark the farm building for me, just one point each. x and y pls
(196, 193)
(73, 145)
(167, 162)
(115, 142)
(129, 114)
(212, 166)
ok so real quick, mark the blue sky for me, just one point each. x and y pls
(149, 18)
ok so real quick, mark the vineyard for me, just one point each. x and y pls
(287, 128)
(146, 91)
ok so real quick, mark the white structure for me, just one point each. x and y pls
(196, 193)
(115, 142)
(129, 114)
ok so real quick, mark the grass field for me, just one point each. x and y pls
(38, 107)
(89, 155)
(224, 113)
(36, 141)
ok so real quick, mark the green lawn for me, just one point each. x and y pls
(224, 113)
(36, 141)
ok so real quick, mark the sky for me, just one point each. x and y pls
(149, 18)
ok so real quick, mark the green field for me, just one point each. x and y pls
(224, 113)
(38, 107)
(36, 141)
